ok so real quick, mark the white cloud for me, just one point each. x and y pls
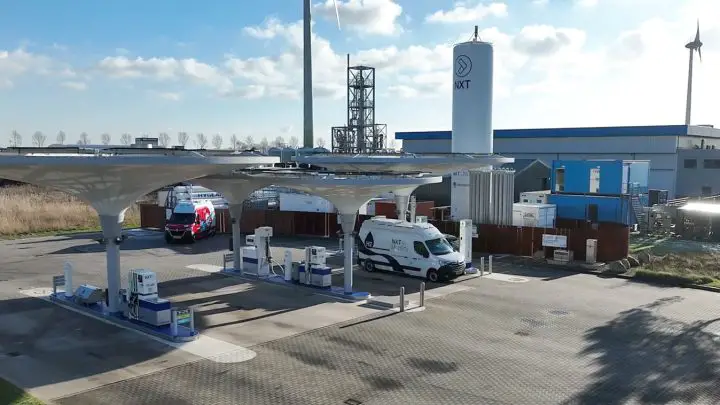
(169, 96)
(365, 16)
(74, 85)
(164, 69)
(542, 40)
(540, 2)
(14, 64)
(463, 12)
(586, 3)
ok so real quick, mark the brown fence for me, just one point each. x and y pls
(284, 223)
(613, 239)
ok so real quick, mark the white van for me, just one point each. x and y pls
(416, 249)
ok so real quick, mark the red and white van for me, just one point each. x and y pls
(190, 221)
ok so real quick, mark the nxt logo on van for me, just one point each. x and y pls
(462, 84)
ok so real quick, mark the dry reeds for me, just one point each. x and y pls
(26, 210)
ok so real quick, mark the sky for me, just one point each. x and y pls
(235, 67)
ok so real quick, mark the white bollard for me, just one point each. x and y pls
(482, 266)
(68, 269)
(422, 294)
(402, 299)
(288, 265)
(490, 264)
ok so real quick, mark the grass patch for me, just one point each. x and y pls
(12, 395)
(638, 244)
(683, 269)
(35, 211)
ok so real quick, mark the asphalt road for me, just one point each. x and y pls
(556, 338)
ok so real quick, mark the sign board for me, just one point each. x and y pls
(57, 281)
(558, 241)
(183, 316)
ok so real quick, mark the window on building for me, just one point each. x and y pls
(706, 191)
(560, 179)
(595, 180)
(690, 163)
(711, 163)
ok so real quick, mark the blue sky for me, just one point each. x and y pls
(227, 67)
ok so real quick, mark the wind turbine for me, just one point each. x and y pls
(307, 72)
(693, 46)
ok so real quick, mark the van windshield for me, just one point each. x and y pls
(182, 219)
(439, 246)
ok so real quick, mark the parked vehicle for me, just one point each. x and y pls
(190, 221)
(416, 249)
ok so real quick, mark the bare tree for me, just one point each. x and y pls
(183, 138)
(84, 139)
(321, 142)
(164, 139)
(279, 141)
(126, 139)
(201, 140)
(105, 138)
(38, 139)
(249, 141)
(15, 139)
(61, 137)
(234, 142)
(264, 144)
(217, 141)
(294, 142)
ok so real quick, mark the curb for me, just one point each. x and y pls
(580, 270)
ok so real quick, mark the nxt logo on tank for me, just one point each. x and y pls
(462, 84)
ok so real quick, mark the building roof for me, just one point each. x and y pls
(585, 132)
(522, 164)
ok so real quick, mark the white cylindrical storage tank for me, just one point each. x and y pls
(472, 97)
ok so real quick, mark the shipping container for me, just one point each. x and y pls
(534, 215)
(534, 197)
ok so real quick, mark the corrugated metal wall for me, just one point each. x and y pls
(492, 194)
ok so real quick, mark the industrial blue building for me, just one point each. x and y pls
(684, 159)
(613, 191)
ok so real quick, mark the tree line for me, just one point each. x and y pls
(201, 140)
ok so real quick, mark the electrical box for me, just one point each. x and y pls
(88, 294)
(318, 255)
(562, 255)
(264, 232)
(421, 219)
(143, 283)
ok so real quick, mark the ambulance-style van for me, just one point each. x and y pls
(416, 249)
(190, 221)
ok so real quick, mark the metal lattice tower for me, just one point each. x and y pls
(361, 134)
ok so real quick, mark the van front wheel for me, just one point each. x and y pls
(433, 276)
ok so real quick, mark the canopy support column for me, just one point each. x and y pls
(236, 216)
(347, 222)
(112, 238)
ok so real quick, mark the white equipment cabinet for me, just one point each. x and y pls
(466, 238)
(591, 251)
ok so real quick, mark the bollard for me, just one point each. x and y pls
(288, 265)
(173, 323)
(402, 299)
(482, 266)
(341, 245)
(490, 264)
(192, 319)
(68, 270)
(422, 294)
